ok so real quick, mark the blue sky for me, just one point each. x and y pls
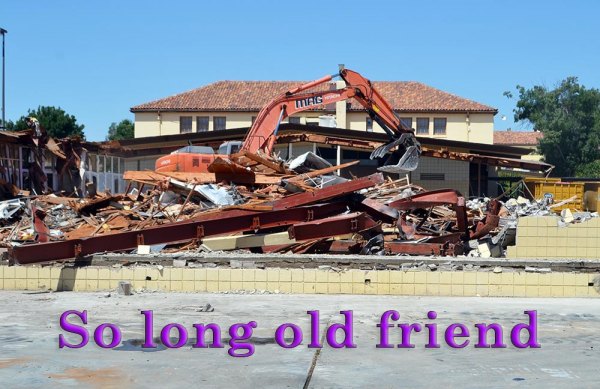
(97, 59)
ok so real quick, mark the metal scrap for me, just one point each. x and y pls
(299, 206)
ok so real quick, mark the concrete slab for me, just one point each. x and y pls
(30, 357)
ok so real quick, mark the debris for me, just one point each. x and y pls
(531, 269)
(567, 215)
(143, 249)
(206, 308)
(124, 288)
(254, 203)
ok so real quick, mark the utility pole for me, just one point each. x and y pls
(3, 127)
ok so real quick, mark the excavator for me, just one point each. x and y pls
(262, 135)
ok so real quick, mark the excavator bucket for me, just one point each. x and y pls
(404, 159)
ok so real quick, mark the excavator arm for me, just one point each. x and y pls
(263, 133)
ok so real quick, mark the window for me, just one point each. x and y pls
(109, 164)
(92, 163)
(369, 125)
(407, 122)
(423, 126)
(327, 152)
(185, 124)
(439, 126)
(294, 120)
(220, 122)
(201, 123)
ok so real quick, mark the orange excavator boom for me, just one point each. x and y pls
(263, 133)
(261, 137)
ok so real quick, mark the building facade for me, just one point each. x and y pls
(528, 140)
(432, 113)
(234, 104)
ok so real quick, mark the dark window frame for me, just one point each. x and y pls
(420, 130)
(410, 121)
(182, 124)
(218, 127)
(199, 127)
(438, 130)
(369, 124)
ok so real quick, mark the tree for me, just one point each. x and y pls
(121, 131)
(569, 118)
(589, 170)
(55, 120)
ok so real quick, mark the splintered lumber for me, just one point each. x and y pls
(278, 167)
(567, 201)
(91, 206)
(320, 172)
(202, 178)
(227, 166)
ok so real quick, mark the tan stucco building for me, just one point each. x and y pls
(432, 113)
(526, 139)
(234, 104)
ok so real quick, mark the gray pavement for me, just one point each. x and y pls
(568, 331)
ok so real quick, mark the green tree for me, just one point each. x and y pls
(55, 120)
(9, 125)
(589, 170)
(569, 118)
(121, 131)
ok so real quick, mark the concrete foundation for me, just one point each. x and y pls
(497, 281)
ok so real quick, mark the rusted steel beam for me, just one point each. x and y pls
(345, 246)
(441, 249)
(513, 163)
(438, 197)
(377, 210)
(331, 226)
(429, 199)
(42, 232)
(330, 140)
(329, 192)
(216, 224)
(490, 221)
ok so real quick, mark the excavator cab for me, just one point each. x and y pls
(404, 159)
(230, 147)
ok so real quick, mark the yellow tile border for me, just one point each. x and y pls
(319, 281)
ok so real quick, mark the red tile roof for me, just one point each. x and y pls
(518, 138)
(405, 96)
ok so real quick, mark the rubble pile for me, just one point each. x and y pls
(495, 244)
(299, 207)
(256, 204)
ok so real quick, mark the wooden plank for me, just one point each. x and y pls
(247, 241)
(278, 167)
(320, 172)
(201, 178)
